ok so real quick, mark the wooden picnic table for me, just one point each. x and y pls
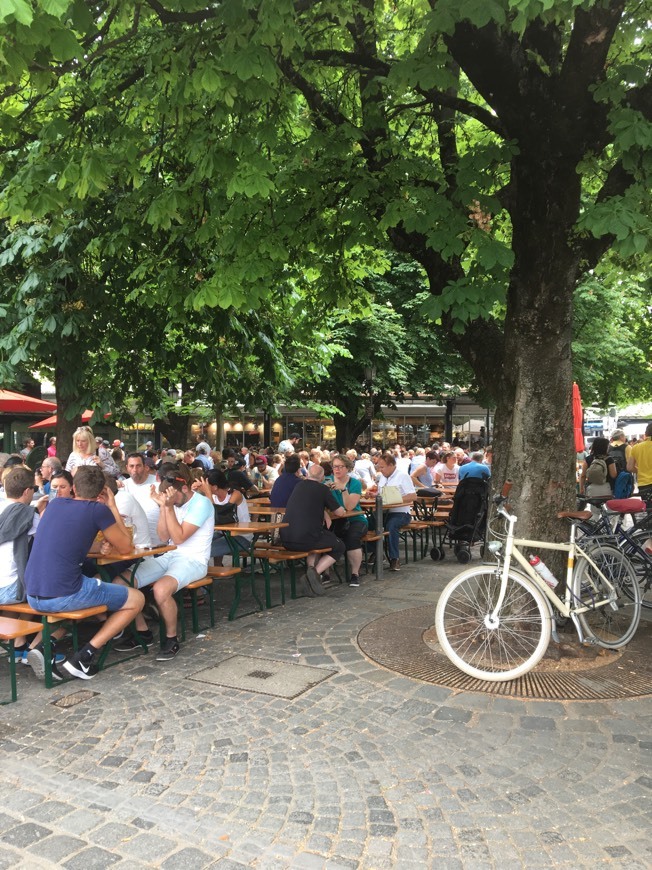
(231, 531)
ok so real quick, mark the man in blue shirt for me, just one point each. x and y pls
(475, 468)
(286, 482)
(53, 578)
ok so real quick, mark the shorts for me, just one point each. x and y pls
(12, 594)
(174, 564)
(352, 533)
(326, 539)
(93, 593)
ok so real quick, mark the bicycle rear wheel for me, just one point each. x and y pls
(513, 646)
(642, 564)
(613, 624)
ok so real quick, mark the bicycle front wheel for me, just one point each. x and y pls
(611, 624)
(499, 652)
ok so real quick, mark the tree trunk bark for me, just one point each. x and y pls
(65, 428)
(175, 428)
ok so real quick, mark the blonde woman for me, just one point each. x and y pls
(83, 450)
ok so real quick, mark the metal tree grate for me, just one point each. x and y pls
(396, 641)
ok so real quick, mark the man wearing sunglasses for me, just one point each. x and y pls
(186, 520)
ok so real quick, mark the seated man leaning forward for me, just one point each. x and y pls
(306, 513)
(186, 520)
(53, 578)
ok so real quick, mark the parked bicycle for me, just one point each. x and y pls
(495, 622)
(633, 540)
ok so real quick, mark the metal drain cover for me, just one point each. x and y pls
(396, 642)
(266, 676)
(74, 698)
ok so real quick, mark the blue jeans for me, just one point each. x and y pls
(93, 592)
(392, 522)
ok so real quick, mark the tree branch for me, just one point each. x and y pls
(167, 17)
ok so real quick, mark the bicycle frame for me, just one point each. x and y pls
(566, 608)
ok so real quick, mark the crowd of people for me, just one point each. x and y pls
(102, 501)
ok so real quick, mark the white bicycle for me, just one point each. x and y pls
(495, 622)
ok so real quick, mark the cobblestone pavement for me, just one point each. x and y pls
(367, 769)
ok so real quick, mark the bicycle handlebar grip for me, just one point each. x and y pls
(507, 488)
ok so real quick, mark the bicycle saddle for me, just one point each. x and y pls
(626, 505)
(574, 515)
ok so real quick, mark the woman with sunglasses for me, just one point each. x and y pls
(348, 491)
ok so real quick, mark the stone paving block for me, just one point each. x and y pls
(58, 847)
(48, 811)
(11, 859)
(7, 822)
(538, 723)
(25, 835)
(452, 714)
(187, 859)
(92, 858)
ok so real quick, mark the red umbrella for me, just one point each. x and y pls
(16, 403)
(578, 420)
(51, 422)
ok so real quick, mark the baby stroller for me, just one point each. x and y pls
(467, 520)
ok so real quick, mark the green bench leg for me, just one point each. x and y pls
(9, 646)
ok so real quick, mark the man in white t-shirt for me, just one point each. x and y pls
(397, 517)
(186, 520)
(139, 485)
(289, 444)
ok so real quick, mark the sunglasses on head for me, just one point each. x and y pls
(172, 479)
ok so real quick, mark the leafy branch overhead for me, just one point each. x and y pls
(259, 151)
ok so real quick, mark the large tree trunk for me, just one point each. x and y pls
(65, 427)
(348, 429)
(175, 428)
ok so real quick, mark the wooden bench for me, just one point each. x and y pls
(191, 589)
(415, 527)
(68, 619)
(221, 572)
(10, 629)
(278, 555)
(372, 537)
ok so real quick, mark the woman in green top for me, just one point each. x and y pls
(348, 490)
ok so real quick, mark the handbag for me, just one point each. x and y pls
(225, 514)
(391, 495)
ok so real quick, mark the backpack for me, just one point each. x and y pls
(597, 473)
(619, 456)
(624, 485)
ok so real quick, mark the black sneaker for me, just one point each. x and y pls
(314, 581)
(307, 591)
(129, 644)
(36, 661)
(168, 651)
(84, 670)
(354, 580)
